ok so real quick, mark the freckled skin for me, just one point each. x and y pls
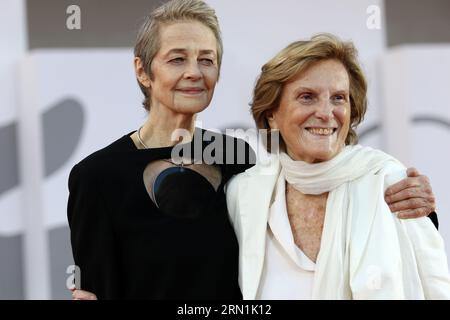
(306, 216)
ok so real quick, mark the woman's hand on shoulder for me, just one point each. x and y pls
(79, 294)
(411, 197)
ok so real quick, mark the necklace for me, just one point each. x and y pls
(167, 160)
(139, 138)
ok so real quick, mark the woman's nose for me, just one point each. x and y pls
(193, 71)
(324, 110)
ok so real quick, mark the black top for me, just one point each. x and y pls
(128, 248)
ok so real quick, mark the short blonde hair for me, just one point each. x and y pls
(295, 59)
(148, 42)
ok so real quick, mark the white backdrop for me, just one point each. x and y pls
(103, 82)
(12, 48)
(13, 42)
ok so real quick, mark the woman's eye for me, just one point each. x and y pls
(306, 97)
(339, 98)
(206, 61)
(177, 60)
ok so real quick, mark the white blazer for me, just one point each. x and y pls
(249, 196)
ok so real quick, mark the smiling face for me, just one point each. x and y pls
(314, 112)
(184, 71)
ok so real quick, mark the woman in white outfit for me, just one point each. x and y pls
(313, 223)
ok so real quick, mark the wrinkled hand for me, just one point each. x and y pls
(79, 294)
(411, 197)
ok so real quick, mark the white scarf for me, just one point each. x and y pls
(360, 252)
(316, 178)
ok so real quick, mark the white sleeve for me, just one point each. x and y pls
(431, 259)
(427, 244)
(394, 173)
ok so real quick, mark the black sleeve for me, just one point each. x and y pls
(434, 218)
(244, 157)
(91, 234)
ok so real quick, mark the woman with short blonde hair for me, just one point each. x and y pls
(143, 225)
(148, 40)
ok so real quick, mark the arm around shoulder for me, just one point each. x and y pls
(428, 246)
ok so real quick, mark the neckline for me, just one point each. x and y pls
(131, 144)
